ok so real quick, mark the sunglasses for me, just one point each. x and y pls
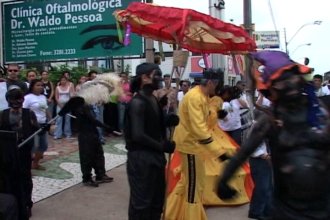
(15, 71)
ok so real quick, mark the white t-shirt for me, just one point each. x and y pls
(265, 102)
(233, 120)
(38, 104)
(180, 96)
(324, 90)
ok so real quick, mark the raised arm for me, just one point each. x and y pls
(258, 134)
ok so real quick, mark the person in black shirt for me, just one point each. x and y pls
(12, 78)
(48, 86)
(90, 148)
(145, 137)
(24, 122)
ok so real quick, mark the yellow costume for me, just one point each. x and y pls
(201, 170)
(194, 142)
(241, 181)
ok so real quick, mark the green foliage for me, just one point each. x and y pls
(56, 72)
(75, 73)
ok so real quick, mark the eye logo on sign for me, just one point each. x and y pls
(110, 42)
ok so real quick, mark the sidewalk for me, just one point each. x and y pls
(63, 165)
(107, 202)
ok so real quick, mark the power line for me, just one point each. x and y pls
(272, 14)
(273, 18)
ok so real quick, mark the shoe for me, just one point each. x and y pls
(38, 167)
(117, 133)
(69, 138)
(104, 179)
(91, 183)
(252, 216)
(57, 138)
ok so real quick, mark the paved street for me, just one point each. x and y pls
(59, 194)
(108, 201)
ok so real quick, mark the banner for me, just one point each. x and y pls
(267, 39)
(61, 29)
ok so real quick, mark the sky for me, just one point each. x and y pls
(290, 15)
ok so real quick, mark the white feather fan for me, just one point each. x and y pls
(100, 89)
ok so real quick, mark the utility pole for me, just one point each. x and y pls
(247, 14)
(149, 45)
(216, 10)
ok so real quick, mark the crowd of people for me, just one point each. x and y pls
(285, 140)
(35, 105)
(208, 130)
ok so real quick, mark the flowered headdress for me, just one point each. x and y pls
(271, 65)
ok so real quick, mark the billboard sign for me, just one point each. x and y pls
(62, 29)
(267, 39)
(198, 65)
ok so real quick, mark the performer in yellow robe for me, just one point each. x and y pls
(241, 181)
(194, 142)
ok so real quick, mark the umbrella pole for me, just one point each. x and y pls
(167, 176)
(37, 132)
(66, 108)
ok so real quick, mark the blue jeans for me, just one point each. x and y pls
(236, 135)
(41, 142)
(121, 115)
(261, 172)
(98, 113)
(58, 125)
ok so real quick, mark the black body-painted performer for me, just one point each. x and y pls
(299, 140)
(12, 205)
(91, 152)
(24, 122)
(146, 143)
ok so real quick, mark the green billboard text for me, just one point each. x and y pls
(61, 29)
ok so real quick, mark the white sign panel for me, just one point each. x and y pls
(267, 39)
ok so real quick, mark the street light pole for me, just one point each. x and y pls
(317, 22)
(286, 42)
(301, 45)
(216, 10)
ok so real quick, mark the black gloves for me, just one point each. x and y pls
(163, 101)
(108, 128)
(225, 192)
(45, 127)
(222, 114)
(169, 146)
(171, 120)
(224, 157)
